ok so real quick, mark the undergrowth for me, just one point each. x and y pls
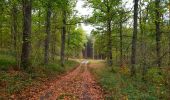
(13, 81)
(118, 84)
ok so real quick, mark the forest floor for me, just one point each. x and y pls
(76, 84)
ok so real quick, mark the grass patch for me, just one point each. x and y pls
(120, 86)
(6, 61)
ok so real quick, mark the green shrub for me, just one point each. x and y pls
(155, 75)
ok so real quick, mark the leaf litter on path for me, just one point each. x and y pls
(78, 84)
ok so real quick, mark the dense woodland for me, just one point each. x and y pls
(42, 34)
(34, 30)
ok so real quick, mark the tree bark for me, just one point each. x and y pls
(110, 62)
(26, 46)
(158, 33)
(63, 36)
(48, 33)
(121, 43)
(68, 43)
(134, 39)
(109, 36)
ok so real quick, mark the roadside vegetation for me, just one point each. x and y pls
(119, 85)
(14, 80)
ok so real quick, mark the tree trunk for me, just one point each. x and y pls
(93, 49)
(63, 36)
(134, 39)
(68, 43)
(26, 46)
(143, 45)
(169, 36)
(158, 33)
(48, 33)
(1, 19)
(169, 50)
(121, 44)
(54, 39)
(109, 45)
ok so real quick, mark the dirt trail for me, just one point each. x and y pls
(76, 85)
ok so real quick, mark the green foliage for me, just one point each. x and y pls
(155, 75)
(120, 86)
(76, 42)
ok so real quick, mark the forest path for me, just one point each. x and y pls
(78, 84)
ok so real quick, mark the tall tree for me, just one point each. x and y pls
(63, 37)
(48, 29)
(134, 38)
(121, 39)
(66, 8)
(104, 12)
(26, 46)
(109, 34)
(158, 33)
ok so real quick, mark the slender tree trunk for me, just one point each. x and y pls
(26, 46)
(68, 43)
(48, 33)
(86, 51)
(169, 35)
(169, 51)
(109, 45)
(0, 32)
(121, 44)
(158, 33)
(93, 49)
(53, 48)
(1, 19)
(134, 39)
(54, 38)
(143, 45)
(63, 36)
